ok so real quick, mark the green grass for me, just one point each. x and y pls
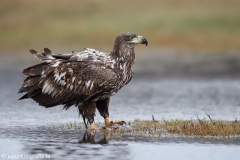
(72, 25)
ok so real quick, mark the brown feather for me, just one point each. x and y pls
(35, 93)
(30, 88)
(31, 80)
(38, 55)
(47, 52)
(35, 70)
(62, 56)
(46, 100)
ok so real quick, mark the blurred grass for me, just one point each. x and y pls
(195, 128)
(200, 128)
(206, 25)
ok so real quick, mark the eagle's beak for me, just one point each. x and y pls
(140, 40)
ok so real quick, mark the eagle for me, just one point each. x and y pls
(85, 79)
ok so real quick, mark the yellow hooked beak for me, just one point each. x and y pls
(140, 40)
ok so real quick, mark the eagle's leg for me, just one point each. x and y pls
(87, 110)
(102, 106)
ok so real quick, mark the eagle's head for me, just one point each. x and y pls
(124, 45)
(131, 39)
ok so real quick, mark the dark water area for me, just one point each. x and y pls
(26, 128)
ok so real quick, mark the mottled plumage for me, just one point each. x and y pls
(85, 79)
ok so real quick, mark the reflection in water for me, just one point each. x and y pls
(88, 137)
(80, 144)
(67, 143)
(90, 146)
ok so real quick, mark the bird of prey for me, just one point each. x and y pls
(85, 79)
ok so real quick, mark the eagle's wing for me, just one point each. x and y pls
(71, 81)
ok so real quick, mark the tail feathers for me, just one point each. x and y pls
(35, 70)
(30, 85)
(31, 80)
(47, 55)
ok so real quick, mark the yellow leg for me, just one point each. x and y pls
(106, 136)
(111, 123)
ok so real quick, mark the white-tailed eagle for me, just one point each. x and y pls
(86, 79)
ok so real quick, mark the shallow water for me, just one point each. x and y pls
(26, 127)
(74, 144)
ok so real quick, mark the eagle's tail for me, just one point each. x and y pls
(30, 84)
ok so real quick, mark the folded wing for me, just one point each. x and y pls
(66, 81)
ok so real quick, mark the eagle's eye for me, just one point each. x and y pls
(131, 37)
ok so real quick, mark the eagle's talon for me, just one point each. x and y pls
(110, 124)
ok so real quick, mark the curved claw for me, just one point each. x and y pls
(111, 123)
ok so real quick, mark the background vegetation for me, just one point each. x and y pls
(211, 26)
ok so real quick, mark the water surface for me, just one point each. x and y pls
(25, 127)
